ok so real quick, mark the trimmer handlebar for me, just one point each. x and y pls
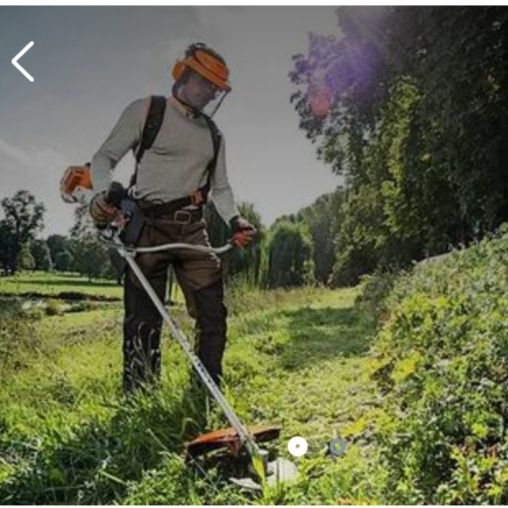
(172, 246)
(117, 196)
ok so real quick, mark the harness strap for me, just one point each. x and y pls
(151, 128)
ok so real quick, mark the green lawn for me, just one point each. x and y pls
(295, 358)
(56, 284)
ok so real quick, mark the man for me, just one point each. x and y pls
(173, 175)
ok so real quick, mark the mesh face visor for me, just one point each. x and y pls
(201, 95)
(211, 108)
(212, 75)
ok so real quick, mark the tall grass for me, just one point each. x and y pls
(69, 436)
(441, 362)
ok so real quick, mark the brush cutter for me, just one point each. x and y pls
(76, 186)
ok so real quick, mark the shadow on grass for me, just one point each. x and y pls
(322, 334)
(75, 292)
(70, 296)
(65, 282)
(93, 464)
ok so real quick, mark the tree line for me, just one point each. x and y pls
(410, 106)
(294, 251)
(21, 248)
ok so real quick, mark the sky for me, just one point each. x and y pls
(90, 62)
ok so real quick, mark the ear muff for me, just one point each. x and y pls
(178, 69)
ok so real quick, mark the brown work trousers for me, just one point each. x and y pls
(200, 277)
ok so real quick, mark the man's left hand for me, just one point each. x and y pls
(243, 232)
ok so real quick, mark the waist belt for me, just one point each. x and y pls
(171, 211)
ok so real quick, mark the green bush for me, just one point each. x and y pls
(375, 289)
(442, 360)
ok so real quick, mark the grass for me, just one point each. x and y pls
(295, 358)
(419, 396)
(62, 285)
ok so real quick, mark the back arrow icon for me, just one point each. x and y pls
(14, 61)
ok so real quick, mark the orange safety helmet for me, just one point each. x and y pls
(201, 59)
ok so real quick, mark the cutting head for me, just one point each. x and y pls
(228, 439)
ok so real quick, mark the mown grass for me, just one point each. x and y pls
(419, 396)
(55, 284)
(296, 358)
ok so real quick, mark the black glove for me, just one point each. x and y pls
(105, 206)
(101, 211)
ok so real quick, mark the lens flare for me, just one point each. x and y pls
(320, 101)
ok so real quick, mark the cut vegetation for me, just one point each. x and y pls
(418, 394)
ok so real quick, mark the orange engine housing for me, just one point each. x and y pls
(75, 176)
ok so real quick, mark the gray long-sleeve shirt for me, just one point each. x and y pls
(175, 165)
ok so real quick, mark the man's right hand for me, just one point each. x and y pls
(102, 212)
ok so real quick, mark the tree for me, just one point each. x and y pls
(25, 259)
(90, 255)
(24, 217)
(93, 259)
(117, 265)
(289, 256)
(41, 254)
(63, 261)
(6, 248)
(323, 218)
(246, 262)
(57, 244)
(410, 105)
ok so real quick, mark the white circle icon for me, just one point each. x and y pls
(298, 446)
